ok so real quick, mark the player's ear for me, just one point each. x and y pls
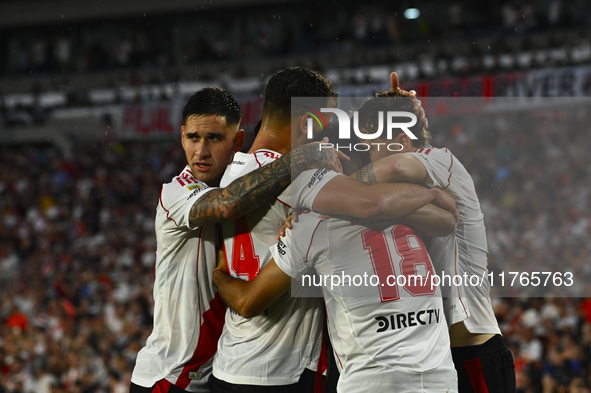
(303, 124)
(404, 140)
(183, 134)
(238, 140)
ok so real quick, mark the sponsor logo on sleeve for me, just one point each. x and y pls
(194, 186)
(197, 188)
(318, 175)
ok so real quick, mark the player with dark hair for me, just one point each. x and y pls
(212, 108)
(482, 359)
(279, 350)
(213, 101)
(293, 82)
(188, 314)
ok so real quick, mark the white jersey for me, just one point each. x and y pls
(276, 347)
(387, 334)
(188, 313)
(465, 250)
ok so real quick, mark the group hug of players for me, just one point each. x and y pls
(227, 315)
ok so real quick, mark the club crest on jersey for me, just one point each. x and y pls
(186, 180)
(272, 155)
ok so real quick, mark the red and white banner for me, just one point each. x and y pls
(522, 89)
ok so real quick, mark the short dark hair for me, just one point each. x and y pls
(293, 82)
(390, 101)
(213, 101)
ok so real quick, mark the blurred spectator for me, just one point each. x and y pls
(76, 253)
(62, 53)
(147, 41)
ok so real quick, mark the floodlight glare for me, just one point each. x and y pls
(412, 13)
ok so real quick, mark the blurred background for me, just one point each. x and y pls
(90, 100)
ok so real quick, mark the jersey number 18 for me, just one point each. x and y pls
(412, 254)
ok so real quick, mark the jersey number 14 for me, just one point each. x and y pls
(245, 263)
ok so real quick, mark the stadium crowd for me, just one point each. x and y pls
(69, 60)
(77, 250)
(227, 37)
(215, 34)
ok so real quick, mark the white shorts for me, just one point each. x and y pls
(443, 379)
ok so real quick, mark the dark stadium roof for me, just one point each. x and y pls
(29, 12)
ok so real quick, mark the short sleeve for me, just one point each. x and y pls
(301, 248)
(438, 163)
(177, 199)
(307, 185)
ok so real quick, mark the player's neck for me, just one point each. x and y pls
(409, 149)
(269, 138)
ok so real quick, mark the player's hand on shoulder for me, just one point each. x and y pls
(292, 217)
(286, 224)
(318, 155)
(445, 201)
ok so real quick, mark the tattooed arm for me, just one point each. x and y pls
(365, 175)
(252, 190)
(394, 168)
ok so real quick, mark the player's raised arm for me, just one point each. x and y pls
(252, 298)
(345, 196)
(412, 95)
(251, 191)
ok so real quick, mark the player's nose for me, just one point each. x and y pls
(202, 150)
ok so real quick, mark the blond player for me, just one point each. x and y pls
(483, 361)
